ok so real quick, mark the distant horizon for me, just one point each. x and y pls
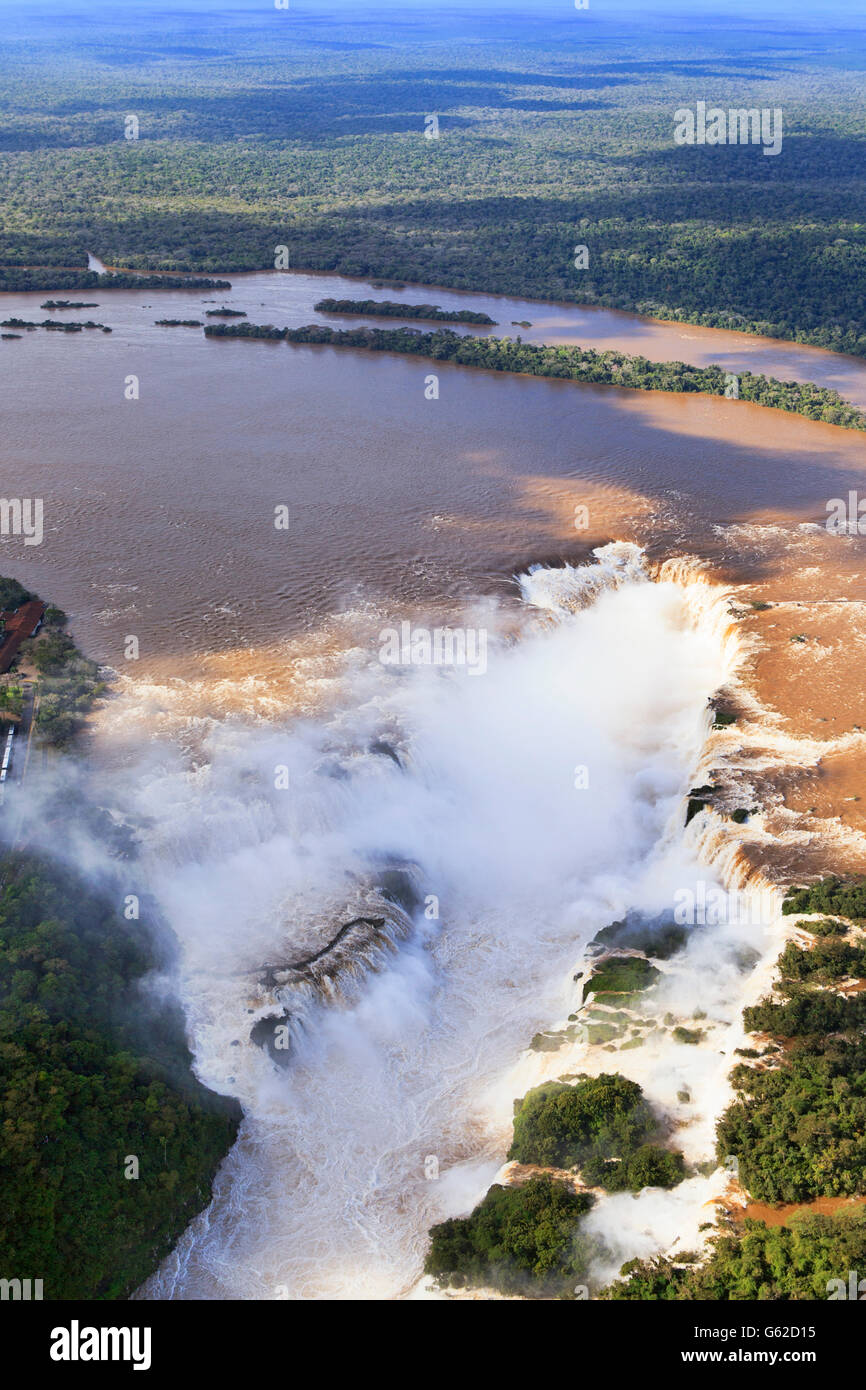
(598, 11)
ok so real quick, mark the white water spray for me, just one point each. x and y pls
(328, 1192)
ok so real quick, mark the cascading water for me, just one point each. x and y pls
(392, 1109)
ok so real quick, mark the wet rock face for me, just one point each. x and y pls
(385, 749)
(658, 936)
(398, 886)
(330, 957)
(332, 974)
(270, 1034)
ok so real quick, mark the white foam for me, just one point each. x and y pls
(325, 1194)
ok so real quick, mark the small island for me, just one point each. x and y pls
(53, 326)
(68, 304)
(225, 313)
(178, 323)
(390, 309)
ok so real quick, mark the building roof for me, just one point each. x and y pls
(20, 623)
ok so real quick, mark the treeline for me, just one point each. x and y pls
(798, 1125)
(609, 368)
(391, 309)
(521, 1240)
(797, 1128)
(25, 278)
(842, 897)
(808, 1259)
(109, 1145)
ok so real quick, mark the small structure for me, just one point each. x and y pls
(18, 625)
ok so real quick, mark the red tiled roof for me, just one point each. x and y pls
(20, 624)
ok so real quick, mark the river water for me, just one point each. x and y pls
(260, 655)
(159, 511)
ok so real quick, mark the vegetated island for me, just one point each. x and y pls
(609, 368)
(797, 1127)
(109, 1145)
(178, 323)
(53, 326)
(26, 278)
(67, 304)
(391, 309)
(225, 313)
(526, 1238)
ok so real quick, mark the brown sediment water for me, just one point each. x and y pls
(782, 1215)
(160, 511)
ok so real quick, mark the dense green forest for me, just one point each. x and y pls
(798, 1124)
(805, 1260)
(260, 130)
(391, 309)
(522, 1240)
(93, 1074)
(833, 895)
(601, 1125)
(67, 684)
(609, 368)
(44, 278)
(527, 1238)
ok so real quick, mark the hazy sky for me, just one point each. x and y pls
(799, 12)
